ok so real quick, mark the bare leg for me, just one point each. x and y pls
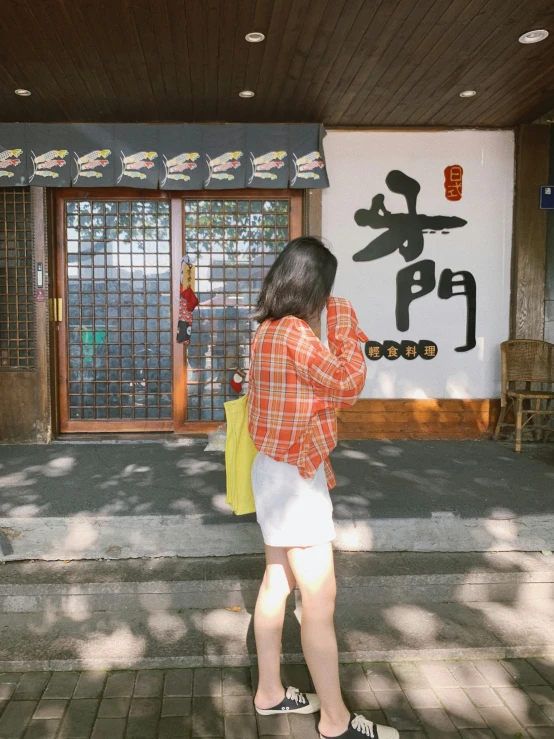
(313, 568)
(269, 616)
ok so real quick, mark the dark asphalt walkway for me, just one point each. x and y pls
(376, 479)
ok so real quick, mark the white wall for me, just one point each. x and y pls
(358, 163)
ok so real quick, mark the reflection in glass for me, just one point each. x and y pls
(128, 238)
(233, 243)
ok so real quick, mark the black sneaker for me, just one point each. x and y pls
(293, 702)
(360, 726)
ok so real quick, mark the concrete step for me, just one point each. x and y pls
(224, 582)
(168, 638)
(79, 537)
(167, 499)
(167, 613)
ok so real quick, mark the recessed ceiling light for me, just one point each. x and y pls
(23, 93)
(255, 37)
(468, 94)
(246, 94)
(533, 37)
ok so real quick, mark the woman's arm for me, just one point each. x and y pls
(338, 376)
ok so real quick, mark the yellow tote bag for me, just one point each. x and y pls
(239, 456)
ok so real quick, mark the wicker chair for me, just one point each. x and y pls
(531, 364)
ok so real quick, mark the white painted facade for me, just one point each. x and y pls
(358, 164)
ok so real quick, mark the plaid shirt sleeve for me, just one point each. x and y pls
(337, 376)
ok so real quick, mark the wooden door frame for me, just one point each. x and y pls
(176, 198)
(182, 426)
(66, 425)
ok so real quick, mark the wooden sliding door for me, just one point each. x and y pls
(118, 256)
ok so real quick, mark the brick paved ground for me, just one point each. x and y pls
(458, 700)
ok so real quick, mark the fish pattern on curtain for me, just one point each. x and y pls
(92, 155)
(171, 157)
(268, 147)
(49, 155)
(137, 153)
(182, 163)
(13, 155)
(307, 162)
(224, 149)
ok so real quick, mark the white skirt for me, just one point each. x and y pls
(292, 511)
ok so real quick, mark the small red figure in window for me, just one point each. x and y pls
(237, 380)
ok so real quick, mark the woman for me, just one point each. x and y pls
(295, 385)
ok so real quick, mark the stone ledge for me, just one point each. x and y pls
(230, 660)
(127, 537)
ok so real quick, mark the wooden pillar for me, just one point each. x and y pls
(529, 248)
(43, 422)
(312, 212)
(24, 393)
(549, 282)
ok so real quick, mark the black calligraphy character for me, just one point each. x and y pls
(404, 230)
(465, 280)
(420, 275)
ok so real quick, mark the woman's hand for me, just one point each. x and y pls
(341, 315)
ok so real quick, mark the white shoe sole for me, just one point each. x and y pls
(390, 734)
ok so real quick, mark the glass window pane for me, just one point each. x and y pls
(115, 341)
(226, 240)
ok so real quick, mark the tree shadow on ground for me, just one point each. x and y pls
(376, 479)
(488, 606)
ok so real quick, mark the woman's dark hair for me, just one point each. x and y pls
(300, 281)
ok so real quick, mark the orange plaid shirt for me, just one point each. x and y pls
(296, 384)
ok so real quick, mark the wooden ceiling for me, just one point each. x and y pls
(344, 62)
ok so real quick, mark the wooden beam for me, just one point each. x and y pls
(43, 425)
(529, 248)
(24, 396)
(549, 281)
(418, 419)
(179, 391)
(313, 212)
